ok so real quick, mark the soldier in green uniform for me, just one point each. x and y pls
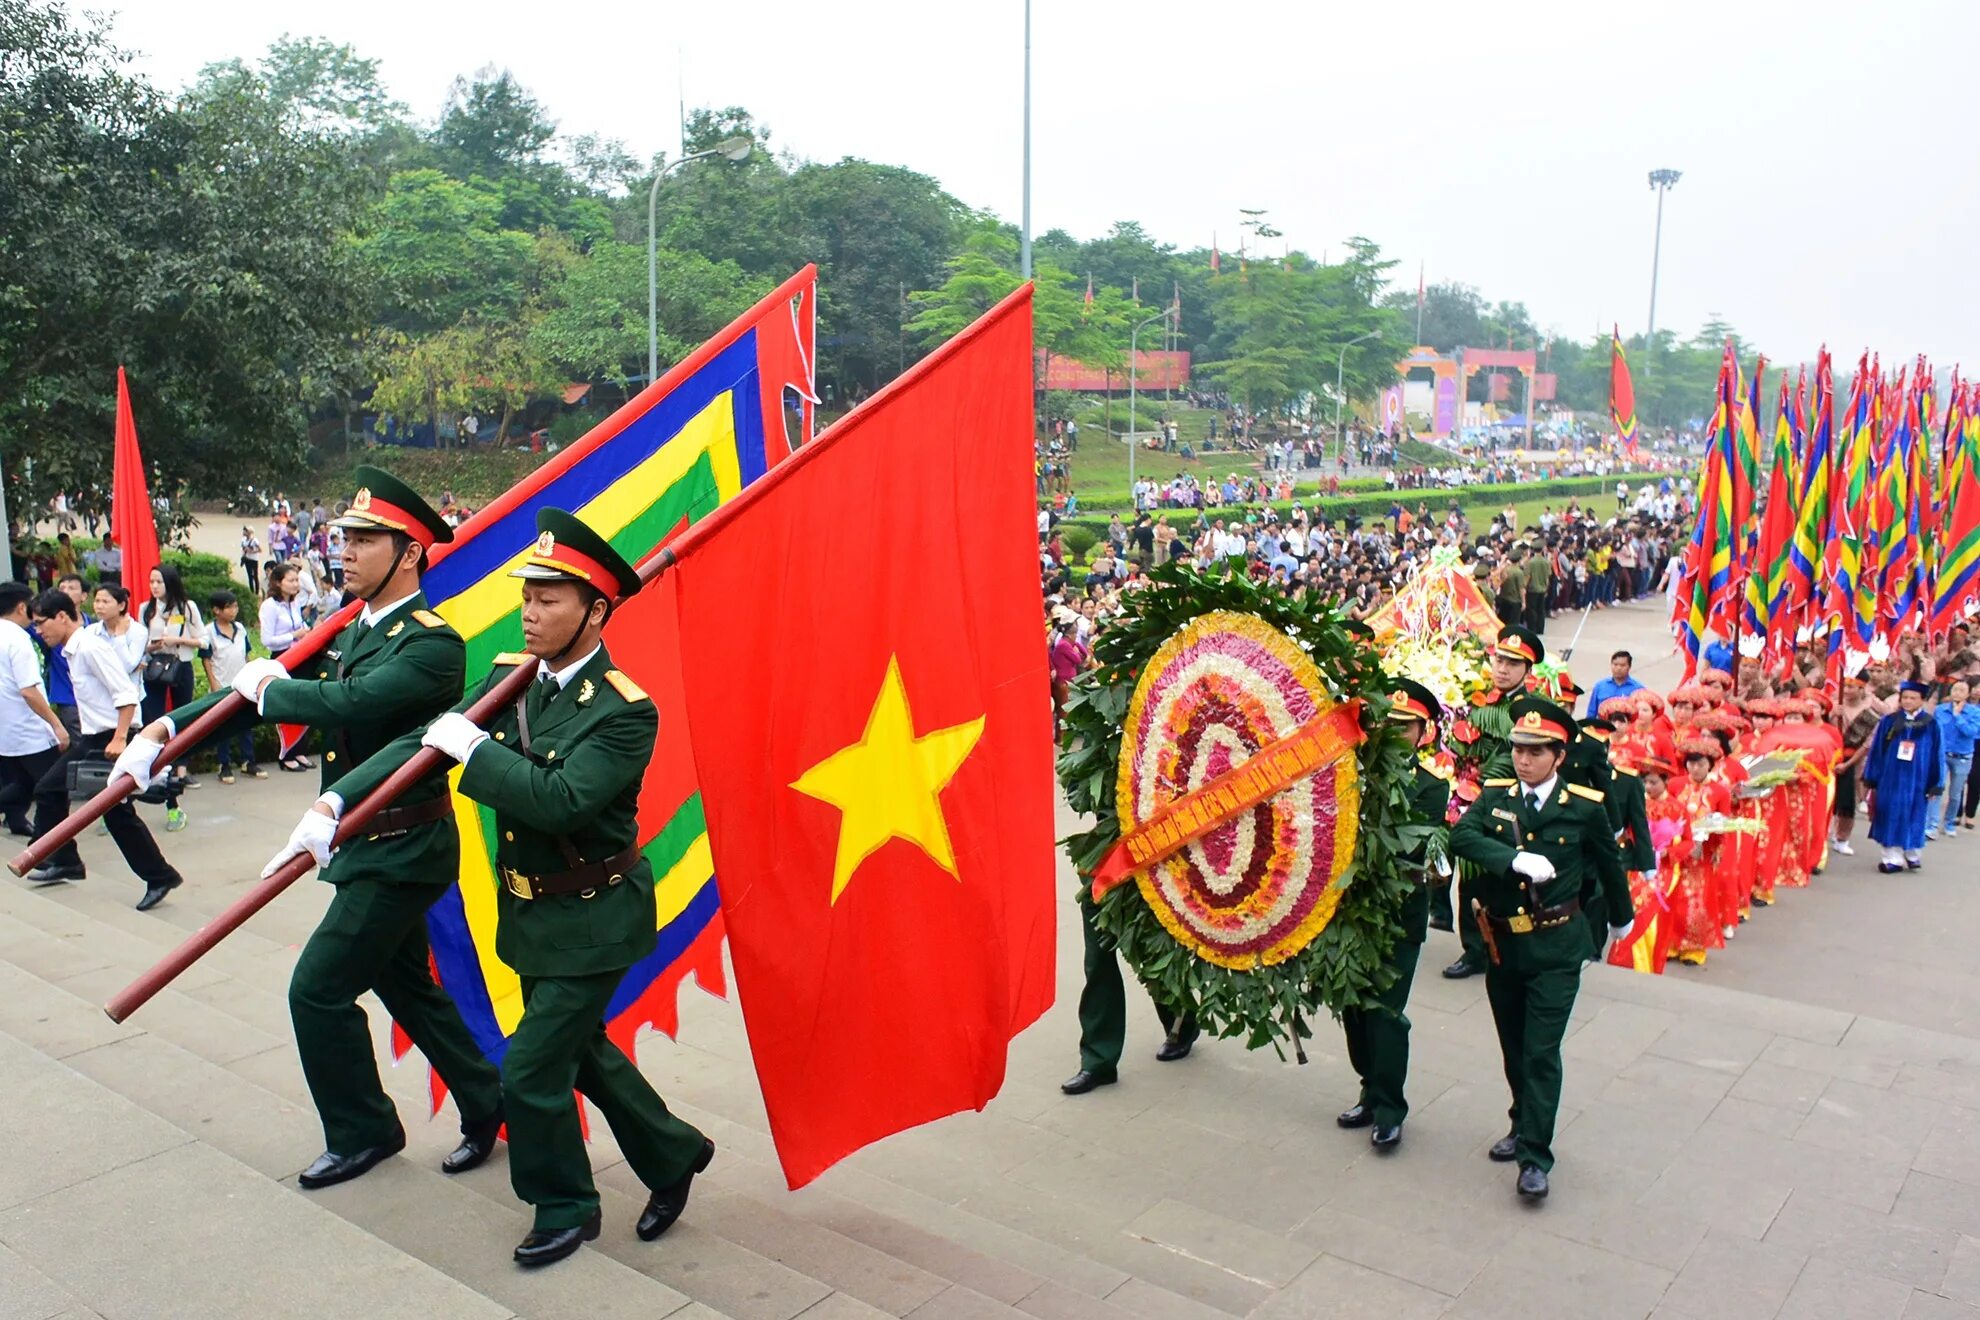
(392, 669)
(1378, 1036)
(1539, 581)
(1510, 595)
(1590, 762)
(1535, 839)
(562, 770)
(1480, 746)
(1103, 1016)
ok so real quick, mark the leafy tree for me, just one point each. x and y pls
(441, 252)
(491, 125)
(323, 87)
(591, 318)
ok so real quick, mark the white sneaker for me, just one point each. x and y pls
(1842, 847)
(1732, 931)
(1932, 833)
(1951, 831)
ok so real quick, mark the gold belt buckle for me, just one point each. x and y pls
(1519, 923)
(517, 883)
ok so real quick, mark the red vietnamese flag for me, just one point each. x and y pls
(131, 518)
(874, 747)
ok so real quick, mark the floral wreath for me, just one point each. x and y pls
(1345, 965)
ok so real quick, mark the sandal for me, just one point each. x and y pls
(294, 763)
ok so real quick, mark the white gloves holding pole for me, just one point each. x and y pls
(313, 834)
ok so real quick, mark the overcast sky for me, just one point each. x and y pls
(1831, 186)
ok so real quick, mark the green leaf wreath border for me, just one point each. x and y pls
(1346, 964)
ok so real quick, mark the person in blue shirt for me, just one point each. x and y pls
(1619, 683)
(1719, 655)
(1959, 728)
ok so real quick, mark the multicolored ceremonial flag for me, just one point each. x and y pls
(1850, 629)
(1769, 570)
(1958, 586)
(875, 758)
(1800, 592)
(692, 440)
(1622, 396)
(132, 521)
(1705, 597)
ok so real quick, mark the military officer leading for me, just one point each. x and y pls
(1535, 839)
(1378, 1036)
(392, 669)
(562, 770)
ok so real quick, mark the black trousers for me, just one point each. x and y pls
(18, 776)
(51, 804)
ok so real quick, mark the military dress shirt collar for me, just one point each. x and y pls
(1539, 793)
(562, 677)
(372, 613)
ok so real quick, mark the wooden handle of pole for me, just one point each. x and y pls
(182, 743)
(423, 762)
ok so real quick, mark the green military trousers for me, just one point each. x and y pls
(1468, 934)
(1103, 1005)
(560, 1044)
(1378, 1041)
(373, 937)
(1530, 1009)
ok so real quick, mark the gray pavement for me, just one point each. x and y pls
(1792, 1131)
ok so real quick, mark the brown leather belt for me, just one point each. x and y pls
(1546, 918)
(587, 879)
(398, 820)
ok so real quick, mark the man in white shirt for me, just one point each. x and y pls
(106, 704)
(31, 733)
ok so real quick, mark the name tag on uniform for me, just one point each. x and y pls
(1907, 750)
(1503, 814)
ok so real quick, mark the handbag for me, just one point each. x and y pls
(163, 668)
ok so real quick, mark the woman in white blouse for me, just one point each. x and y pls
(113, 622)
(282, 623)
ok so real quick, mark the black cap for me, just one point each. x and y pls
(383, 503)
(568, 551)
(1537, 721)
(1517, 643)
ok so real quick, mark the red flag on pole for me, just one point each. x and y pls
(131, 518)
(1215, 262)
(875, 760)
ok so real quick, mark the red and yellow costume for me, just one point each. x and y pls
(1707, 883)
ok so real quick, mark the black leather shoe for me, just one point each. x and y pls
(1358, 1117)
(21, 828)
(155, 894)
(54, 874)
(665, 1205)
(1532, 1182)
(1505, 1148)
(1913, 866)
(1883, 868)
(477, 1144)
(1440, 923)
(1174, 1048)
(547, 1246)
(1386, 1139)
(1458, 970)
(1083, 1081)
(331, 1167)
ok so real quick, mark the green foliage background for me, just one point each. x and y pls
(1345, 965)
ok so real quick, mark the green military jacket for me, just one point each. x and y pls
(1429, 796)
(578, 785)
(364, 690)
(1539, 574)
(1631, 817)
(1570, 829)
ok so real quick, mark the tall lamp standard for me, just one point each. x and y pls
(1134, 340)
(736, 149)
(1340, 375)
(1661, 182)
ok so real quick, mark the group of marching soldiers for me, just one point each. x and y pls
(1544, 831)
(561, 769)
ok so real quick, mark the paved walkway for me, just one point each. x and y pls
(1792, 1131)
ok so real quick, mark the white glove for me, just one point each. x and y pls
(253, 674)
(1533, 866)
(313, 835)
(455, 734)
(1620, 932)
(136, 760)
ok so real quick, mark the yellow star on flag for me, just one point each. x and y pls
(887, 785)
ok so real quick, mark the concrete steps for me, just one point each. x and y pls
(209, 1068)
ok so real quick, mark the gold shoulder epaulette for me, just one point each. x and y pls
(1582, 790)
(429, 618)
(1629, 770)
(624, 686)
(1500, 783)
(510, 658)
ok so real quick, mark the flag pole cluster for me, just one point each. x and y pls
(1870, 524)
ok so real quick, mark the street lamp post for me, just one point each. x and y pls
(736, 149)
(1134, 340)
(1024, 240)
(1340, 375)
(1661, 182)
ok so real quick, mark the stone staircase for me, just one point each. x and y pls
(154, 1174)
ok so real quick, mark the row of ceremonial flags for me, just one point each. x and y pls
(853, 782)
(1869, 528)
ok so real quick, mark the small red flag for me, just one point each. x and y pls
(875, 759)
(1089, 288)
(1215, 263)
(131, 518)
